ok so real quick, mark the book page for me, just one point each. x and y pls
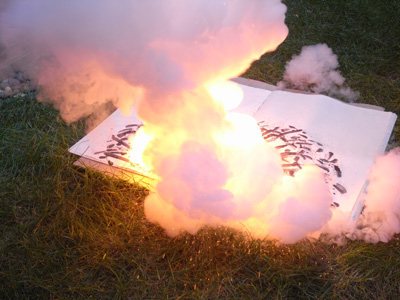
(342, 139)
(108, 143)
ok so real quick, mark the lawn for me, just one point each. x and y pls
(68, 233)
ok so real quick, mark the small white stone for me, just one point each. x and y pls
(4, 84)
(7, 91)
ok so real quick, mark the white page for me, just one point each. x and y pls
(355, 135)
(102, 136)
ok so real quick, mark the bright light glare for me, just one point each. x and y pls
(245, 130)
(228, 93)
(139, 143)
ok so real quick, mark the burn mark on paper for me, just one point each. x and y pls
(294, 144)
(297, 149)
(118, 147)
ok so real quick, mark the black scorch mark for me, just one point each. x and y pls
(297, 149)
(118, 147)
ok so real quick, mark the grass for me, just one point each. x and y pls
(71, 234)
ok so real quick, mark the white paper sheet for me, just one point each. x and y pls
(101, 137)
(355, 135)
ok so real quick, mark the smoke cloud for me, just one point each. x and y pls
(163, 57)
(381, 217)
(314, 70)
(86, 53)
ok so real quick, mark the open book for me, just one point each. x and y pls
(342, 139)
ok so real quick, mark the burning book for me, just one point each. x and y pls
(341, 139)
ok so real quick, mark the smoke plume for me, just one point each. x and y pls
(167, 58)
(85, 53)
(314, 70)
(381, 217)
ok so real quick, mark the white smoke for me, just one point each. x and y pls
(380, 219)
(315, 70)
(86, 53)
